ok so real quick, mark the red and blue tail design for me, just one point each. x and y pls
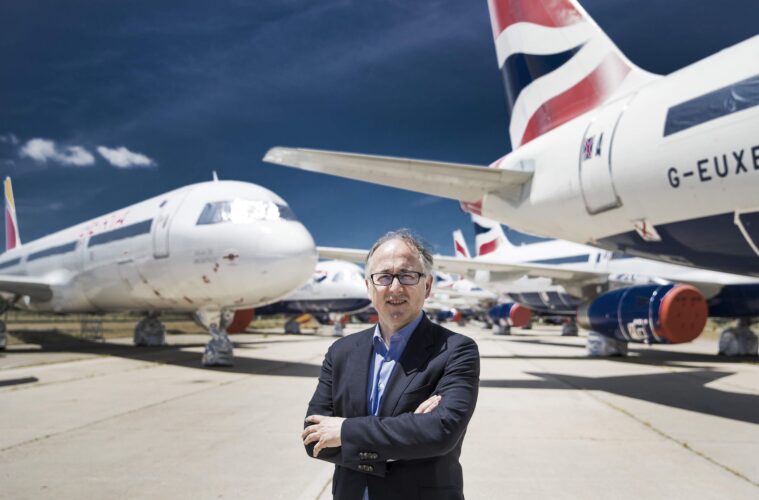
(556, 62)
(12, 239)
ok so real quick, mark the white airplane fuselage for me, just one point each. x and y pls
(655, 187)
(219, 245)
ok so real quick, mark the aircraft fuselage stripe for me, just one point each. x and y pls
(121, 233)
(48, 252)
(721, 102)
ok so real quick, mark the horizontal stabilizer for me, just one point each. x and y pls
(448, 180)
(23, 285)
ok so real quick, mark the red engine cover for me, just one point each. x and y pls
(682, 314)
(241, 320)
(519, 315)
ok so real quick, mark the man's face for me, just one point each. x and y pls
(397, 305)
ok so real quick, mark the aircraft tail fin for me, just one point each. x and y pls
(489, 238)
(12, 238)
(460, 248)
(556, 63)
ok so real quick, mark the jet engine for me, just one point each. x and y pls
(517, 314)
(654, 314)
(241, 320)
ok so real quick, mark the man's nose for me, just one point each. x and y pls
(396, 283)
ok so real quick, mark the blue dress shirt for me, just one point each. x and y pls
(382, 365)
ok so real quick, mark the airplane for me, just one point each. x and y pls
(661, 167)
(727, 296)
(215, 249)
(336, 287)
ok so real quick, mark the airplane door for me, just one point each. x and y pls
(595, 165)
(162, 223)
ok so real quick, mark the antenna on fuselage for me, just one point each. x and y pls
(215, 177)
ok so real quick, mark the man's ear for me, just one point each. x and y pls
(428, 286)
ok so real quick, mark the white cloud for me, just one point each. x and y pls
(9, 138)
(123, 158)
(76, 155)
(44, 150)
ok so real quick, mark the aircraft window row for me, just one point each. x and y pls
(563, 260)
(135, 229)
(10, 263)
(65, 248)
(240, 211)
(735, 97)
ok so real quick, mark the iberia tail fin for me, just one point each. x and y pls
(12, 239)
(556, 63)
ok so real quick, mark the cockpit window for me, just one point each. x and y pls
(240, 211)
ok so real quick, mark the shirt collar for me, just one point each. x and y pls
(397, 342)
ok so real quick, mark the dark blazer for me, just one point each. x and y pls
(397, 454)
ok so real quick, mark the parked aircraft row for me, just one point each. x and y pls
(604, 298)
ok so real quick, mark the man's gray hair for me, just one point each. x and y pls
(405, 235)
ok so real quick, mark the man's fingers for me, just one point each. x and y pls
(314, 419)
(314, 436)
(318, 448)
(308, 430)
(428, 405)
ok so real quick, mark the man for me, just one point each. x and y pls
(393, 402)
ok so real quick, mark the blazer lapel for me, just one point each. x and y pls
(358, 371)
(418, 350)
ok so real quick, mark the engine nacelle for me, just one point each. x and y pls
(451, 314)
(517, 314)
(241, 320)
(654, 314)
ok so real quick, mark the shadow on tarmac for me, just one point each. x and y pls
(55, 341)
(683, 390)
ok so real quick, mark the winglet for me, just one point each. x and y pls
(12, 238)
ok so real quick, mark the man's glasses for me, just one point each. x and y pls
(386, 279)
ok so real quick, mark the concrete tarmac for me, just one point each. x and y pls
(108, 420)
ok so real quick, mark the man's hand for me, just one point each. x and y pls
(429, 405)
(325, 432)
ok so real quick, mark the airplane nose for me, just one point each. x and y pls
(288, 253)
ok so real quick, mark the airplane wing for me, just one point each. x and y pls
(448, 180)
(349, 254)
(24, 285)
(460, 265)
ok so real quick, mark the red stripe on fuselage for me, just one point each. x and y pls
(551, 13)
(471, 207)
(584, 96)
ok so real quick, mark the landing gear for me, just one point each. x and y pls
(501, 327)
(601, 346)
(3, 336)
(150, 332)
(338, 329)
(738, 340)
(569, 329)
(292, 326)
(219, 350)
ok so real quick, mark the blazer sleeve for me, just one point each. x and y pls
(322, 404)
(414, 436)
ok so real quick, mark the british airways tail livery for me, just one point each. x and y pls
(603, 153)
(556, 64)
(216, 249)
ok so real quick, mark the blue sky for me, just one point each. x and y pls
(104, 104)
